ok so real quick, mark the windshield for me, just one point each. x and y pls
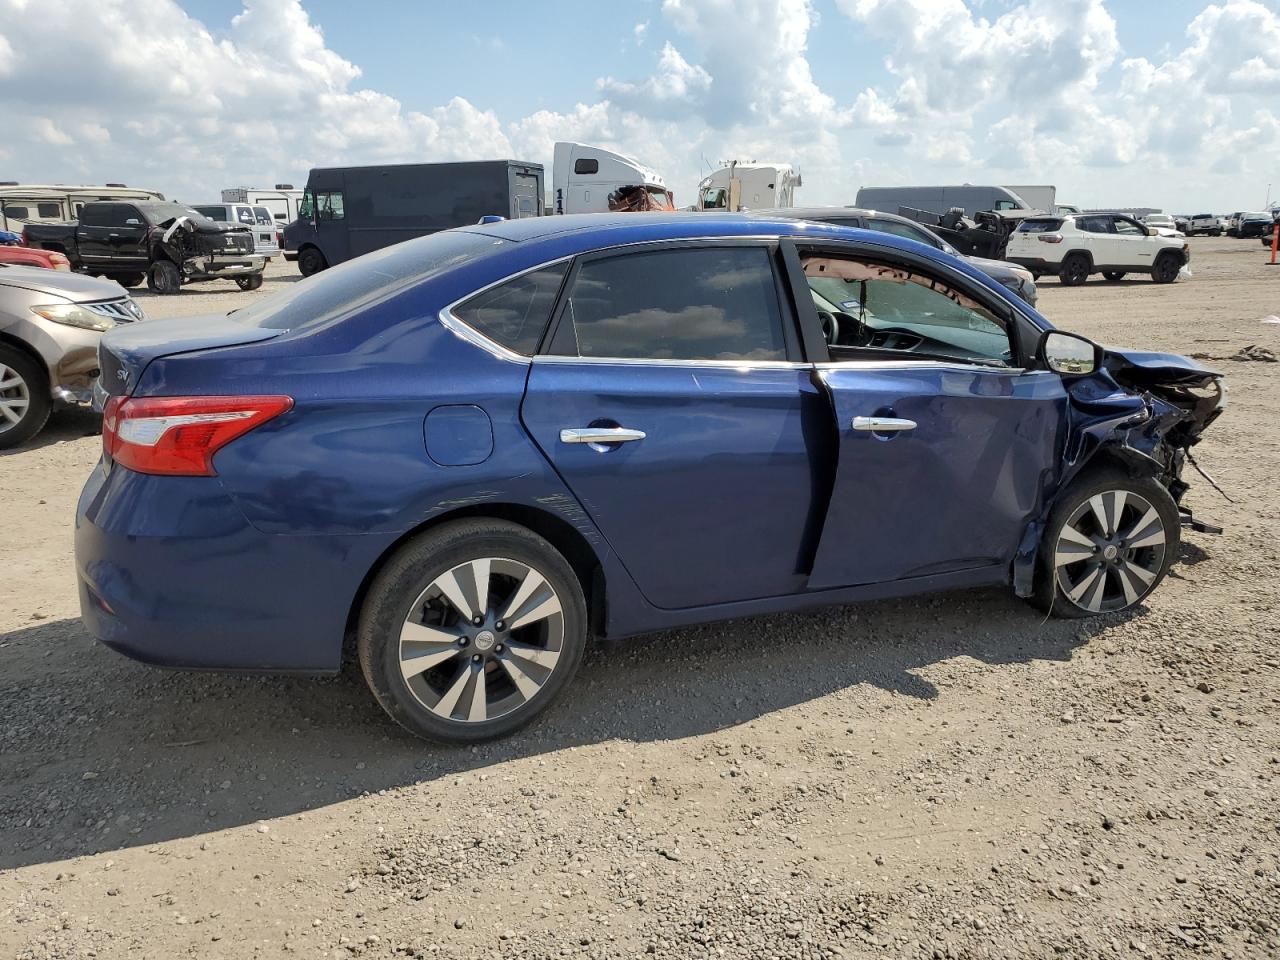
(714, 198)
(364, 281)
(892, 309)
(160, 213)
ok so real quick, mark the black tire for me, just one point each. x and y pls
(1113, 275)
(252, 282)
(311, 261)
(1052, 580)
(1075, 270)
(129, 279)
(403, 590)
(1166, 267)
(1215, 233)
(26, 397)
(164, 278)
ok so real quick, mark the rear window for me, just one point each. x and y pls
(364, 280)
(1046, 225)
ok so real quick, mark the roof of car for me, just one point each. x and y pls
(589, 230)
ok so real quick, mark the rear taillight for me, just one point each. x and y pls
(1049, 237)
(178, 436)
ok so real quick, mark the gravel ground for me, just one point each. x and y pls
(939, 777)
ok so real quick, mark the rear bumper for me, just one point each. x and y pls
(171, 573)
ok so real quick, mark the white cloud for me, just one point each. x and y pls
(677, 84)
(1021, 91)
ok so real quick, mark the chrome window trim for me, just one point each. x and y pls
(672, 362)
(473, 336)
(958, 365)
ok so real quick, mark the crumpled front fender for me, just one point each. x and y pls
(1107, 421)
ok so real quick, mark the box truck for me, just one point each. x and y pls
(349, 211)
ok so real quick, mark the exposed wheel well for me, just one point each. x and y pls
(562, 535)
(26, 349)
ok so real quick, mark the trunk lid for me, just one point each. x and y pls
(125, 352)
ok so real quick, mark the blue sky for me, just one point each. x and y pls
(1172, 104)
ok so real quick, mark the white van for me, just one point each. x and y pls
(587, 179)
(23, 203)
(749, 186)
(257, 218)
(282, 200)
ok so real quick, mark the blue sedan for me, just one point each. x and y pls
(469, 453)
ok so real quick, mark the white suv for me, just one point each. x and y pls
(1073, 247)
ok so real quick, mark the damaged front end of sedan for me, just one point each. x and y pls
(1141, 412)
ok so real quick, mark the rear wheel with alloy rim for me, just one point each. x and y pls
(1109, 543)
(1075, 270)
(471, 631)
(24, 397)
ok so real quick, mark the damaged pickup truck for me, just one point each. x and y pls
(168, 244)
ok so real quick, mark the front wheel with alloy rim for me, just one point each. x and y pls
(1165, 269)
(1075, 270)
(1110, 541)
(24, 397)
(471, 630)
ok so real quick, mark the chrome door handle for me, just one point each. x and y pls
(599, 435)
(882, 424)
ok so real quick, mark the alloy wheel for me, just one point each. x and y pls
(1110, 551)
(482, 640)
(15, 398)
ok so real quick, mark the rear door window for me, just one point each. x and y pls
(102, 215)
(687, 303)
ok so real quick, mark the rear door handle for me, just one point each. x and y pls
(599, 435)
(882, 424)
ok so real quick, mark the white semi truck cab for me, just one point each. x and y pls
(587, 179)
(749, 186)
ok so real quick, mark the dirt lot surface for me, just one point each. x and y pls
(946, 777)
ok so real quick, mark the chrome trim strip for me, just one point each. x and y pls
(473, 336)
(645, 361)
(919, 365)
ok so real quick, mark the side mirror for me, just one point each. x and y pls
(1069, 354)
(1151, 231)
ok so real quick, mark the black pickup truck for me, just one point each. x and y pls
(168, 244)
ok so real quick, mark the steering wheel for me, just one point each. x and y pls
(830, 327)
